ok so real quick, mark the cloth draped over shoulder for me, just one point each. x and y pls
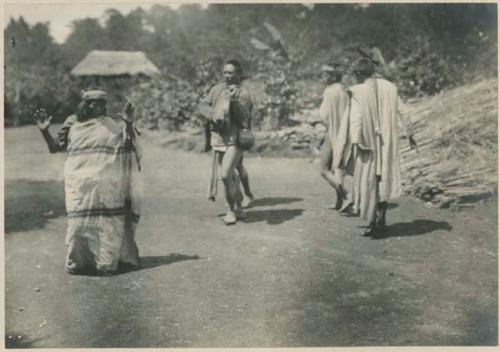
(226, 117)
(377, 115)
(103, 193)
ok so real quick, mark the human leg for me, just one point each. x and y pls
(229, 178)
(326, 159)
(374, 217)
(382, 209)
(243, 175)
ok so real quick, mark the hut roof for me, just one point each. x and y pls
(115, 63)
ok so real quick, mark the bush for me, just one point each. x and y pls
(28, 88)
(165, 103)
(419, 70)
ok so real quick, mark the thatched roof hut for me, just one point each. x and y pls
(100, 63)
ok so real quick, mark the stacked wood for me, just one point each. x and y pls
(455, 165)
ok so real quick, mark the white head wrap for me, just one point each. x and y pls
(94, 95)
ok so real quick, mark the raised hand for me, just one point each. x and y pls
(42, 119)
(128, 113)
(233, 91)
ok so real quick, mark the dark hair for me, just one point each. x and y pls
(82, 111)
(236, 64)
(364, 67)
(337, 74)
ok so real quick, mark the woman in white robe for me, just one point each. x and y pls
(102, 186)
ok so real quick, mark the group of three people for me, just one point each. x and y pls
(362, 139)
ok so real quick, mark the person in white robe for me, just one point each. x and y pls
(378, 116)
(102, 186)
(332, 112)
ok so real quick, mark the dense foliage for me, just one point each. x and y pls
(165, 103)
(425, 48)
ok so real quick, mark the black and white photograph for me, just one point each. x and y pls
(250, 175)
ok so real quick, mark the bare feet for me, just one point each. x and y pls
(343, 192)
(229, 218)
(346, 207)
(370, 231)
(334, 206)
(247, 201)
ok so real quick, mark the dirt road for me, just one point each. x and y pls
(294, 274)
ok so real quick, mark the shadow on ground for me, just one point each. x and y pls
(146, 263)
(155, 261)
(272, 216)
(414, 228)
(30, 204)
(270, 201)
(351, 214)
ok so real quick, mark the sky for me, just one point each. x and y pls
(61, 16)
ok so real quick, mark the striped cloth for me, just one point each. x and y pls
(102, 194)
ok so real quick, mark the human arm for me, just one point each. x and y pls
(128, 116)
(355, 122)
(405, 122)
(60, 143)
(131, 134)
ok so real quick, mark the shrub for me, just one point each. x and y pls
(28, 88)
(165, 103)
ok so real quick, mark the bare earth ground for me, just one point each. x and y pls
(294, 274)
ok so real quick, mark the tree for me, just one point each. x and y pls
(25, 45)
(124, 32)
(86, 35)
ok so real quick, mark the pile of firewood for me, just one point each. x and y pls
(435, 173)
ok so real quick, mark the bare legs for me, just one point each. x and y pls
(228, 161)
(243, 174)
(378, 221)
(326, 158)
